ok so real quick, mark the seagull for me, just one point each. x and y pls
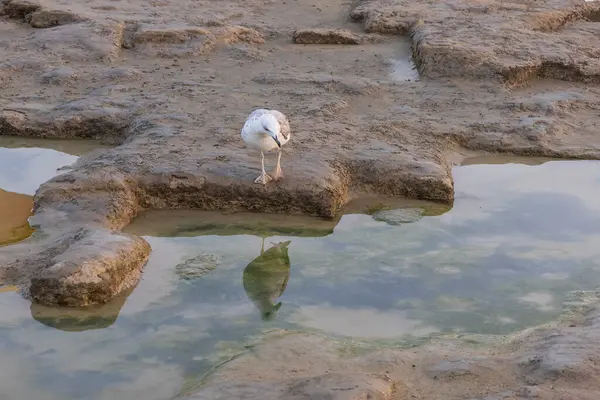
(267, 130)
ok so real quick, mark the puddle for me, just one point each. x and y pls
(518, 239)
(377, 61)
(403, 68)
(25, 164)
(15, 208)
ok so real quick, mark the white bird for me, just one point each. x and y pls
(266, 130)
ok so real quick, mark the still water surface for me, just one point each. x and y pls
(24, 165)
(518, 239)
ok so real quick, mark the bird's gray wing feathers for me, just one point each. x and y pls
(256, 114)
(283, 123)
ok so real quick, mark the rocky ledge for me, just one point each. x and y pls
(556, 361)
(170, 86)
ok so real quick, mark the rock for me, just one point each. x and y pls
(43, 18)
(231, 34)
(399, 216)
(327, 386)
(326, 36)
(307, 372)
(85, 41)
(20, 8)
(340, 387)
(181, 40)
(563, 353)
(507, 394)
(91, 118)
(241, 391)
(170, 42)
(528, 392)
(351, 85)
(59, 76)
(452, 368)
(286, 364)
(117, 73)
(472, 48)
(167, 34)
(197, 266)
(91, 270)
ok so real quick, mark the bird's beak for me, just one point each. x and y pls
(274, 136)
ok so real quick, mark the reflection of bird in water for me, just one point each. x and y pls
(266, 277)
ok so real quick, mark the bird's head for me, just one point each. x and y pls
(271, 127)
(270, 314)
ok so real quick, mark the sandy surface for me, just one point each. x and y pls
(171, 83)
(15, 208)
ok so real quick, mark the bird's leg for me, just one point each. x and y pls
(263, 178)
(278, 172)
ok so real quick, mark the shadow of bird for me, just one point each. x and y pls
(266, 278)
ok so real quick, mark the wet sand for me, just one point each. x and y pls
(15, 208)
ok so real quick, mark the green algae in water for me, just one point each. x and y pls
(518, 245)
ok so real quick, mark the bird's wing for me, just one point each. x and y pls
(256, 114)
(284, 124)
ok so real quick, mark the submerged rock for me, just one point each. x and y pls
(399, 216)
(545, 362)
(197, 266)
(330, 386)
(296, 367)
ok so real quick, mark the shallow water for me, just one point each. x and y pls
(25, 164)
(518, 239)
(403, 67)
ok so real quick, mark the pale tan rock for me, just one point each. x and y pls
(43, 18)
(20, 8)
(167, 34)
(326, 36)
(82, 42)
(93, 269)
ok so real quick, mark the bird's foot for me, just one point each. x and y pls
(264, 178)
(278, 175)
